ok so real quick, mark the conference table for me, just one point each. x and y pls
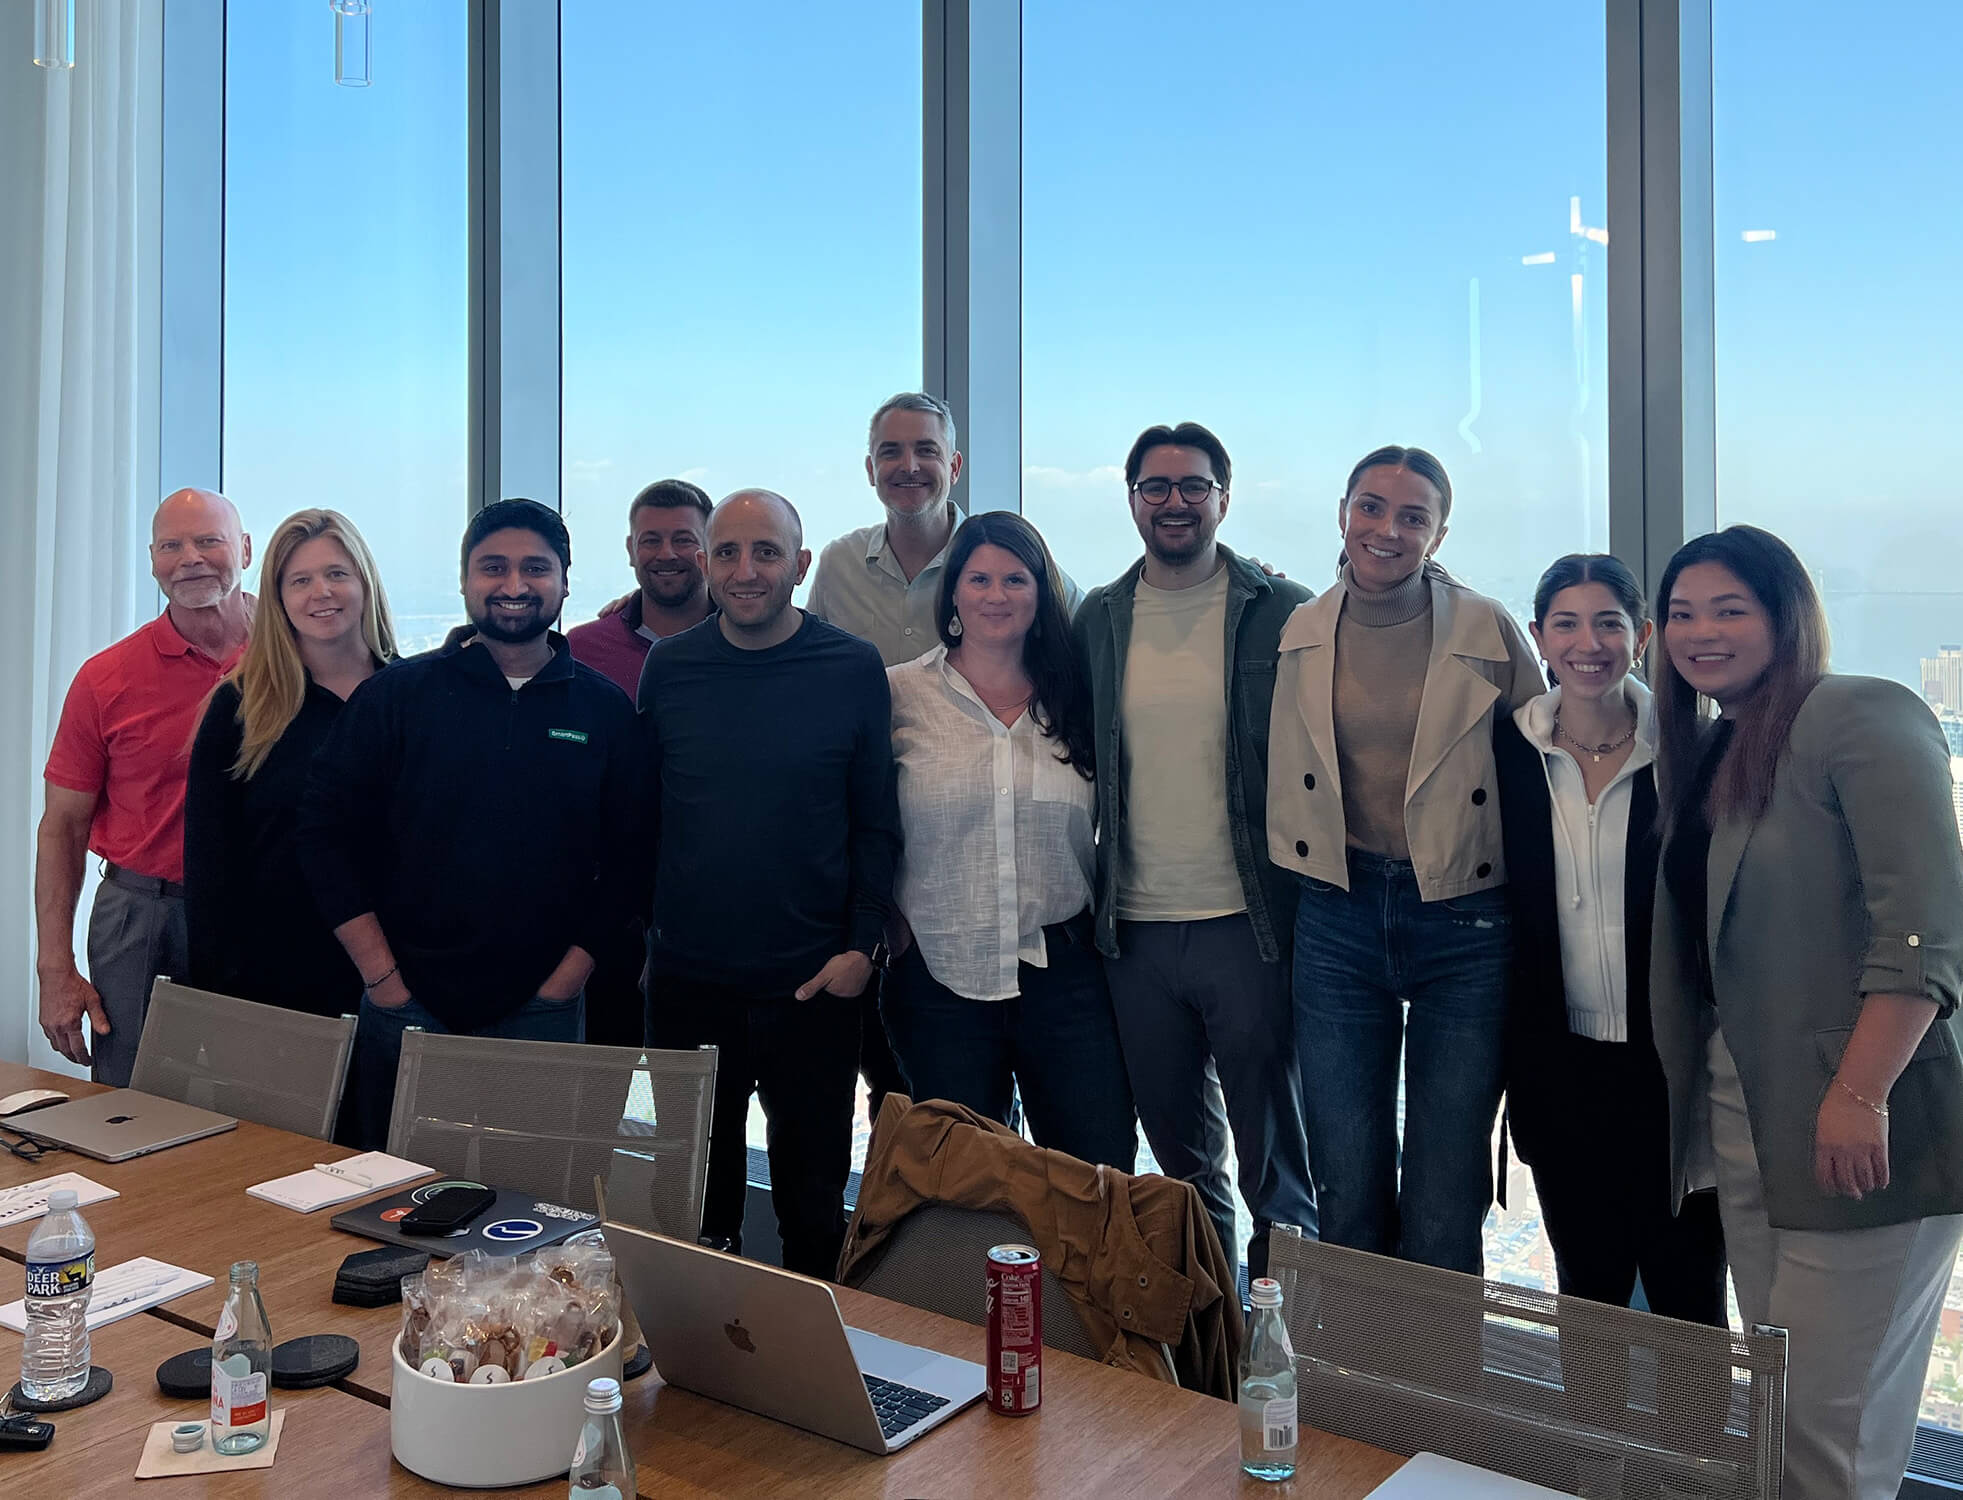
(1100, 1430)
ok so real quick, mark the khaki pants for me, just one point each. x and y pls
(1860, 1307)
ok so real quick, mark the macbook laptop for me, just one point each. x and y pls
(120, 1124)
(773, 1343)
(1429, 1477)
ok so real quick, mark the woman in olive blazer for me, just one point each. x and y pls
(1808, 957)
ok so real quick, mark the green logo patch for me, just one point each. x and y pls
(577, 736)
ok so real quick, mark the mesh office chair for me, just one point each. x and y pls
(549, 1117)
(1592, 1400)
(935, 1259)
(262, 1063)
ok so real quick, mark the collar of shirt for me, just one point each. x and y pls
(877, 557)
(169, 641)
(958, 686)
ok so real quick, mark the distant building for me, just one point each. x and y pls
(1942, 680)
(1952, 723)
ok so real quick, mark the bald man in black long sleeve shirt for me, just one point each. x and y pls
(771, 788)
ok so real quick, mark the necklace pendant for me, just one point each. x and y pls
(1597, 758)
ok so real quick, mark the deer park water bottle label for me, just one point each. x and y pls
(60, 1278)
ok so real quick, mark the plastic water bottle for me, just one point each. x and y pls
(54, 1357)
(603, 1469)
(1268, 1409)
(241, 1368)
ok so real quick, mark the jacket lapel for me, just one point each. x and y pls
(1728, 843)
(1312, 631)
(1456, 693)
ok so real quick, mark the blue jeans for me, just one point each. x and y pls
(1057, 1041)
(378, 1050)
(1359, 955)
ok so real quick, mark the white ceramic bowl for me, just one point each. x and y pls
(477, 1436)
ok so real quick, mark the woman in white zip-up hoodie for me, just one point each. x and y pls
(1586, 1100)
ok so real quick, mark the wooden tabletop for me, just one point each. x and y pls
(1100, 1430)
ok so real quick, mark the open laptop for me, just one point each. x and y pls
(119, 1124)
(1429, 1477)
(773, 1343)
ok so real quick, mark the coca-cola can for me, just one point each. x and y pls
(1015, 1330)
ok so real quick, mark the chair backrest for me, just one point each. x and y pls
(549, 1117)
(935, 1260)
(1582, 1397)
(262, 1063)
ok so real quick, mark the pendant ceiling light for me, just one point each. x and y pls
(54, 34)
(353, 53)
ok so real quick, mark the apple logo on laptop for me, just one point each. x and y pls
(740, 1336)
(119, 1119)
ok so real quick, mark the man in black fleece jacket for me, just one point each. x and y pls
(770, 787)
(470, 824)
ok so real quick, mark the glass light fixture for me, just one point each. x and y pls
(54, 34)
(353, 49)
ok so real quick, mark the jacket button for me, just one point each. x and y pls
(1479, 796)
(1915, 940)
(1308, 780)
(1301, 849)
(1483, 871)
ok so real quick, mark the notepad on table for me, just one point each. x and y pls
(338, 1181)
(30, 1199)
(121, 1291)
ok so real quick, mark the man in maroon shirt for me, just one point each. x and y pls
(115, 780)
(666, 525)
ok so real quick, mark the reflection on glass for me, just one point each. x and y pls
(346, 273)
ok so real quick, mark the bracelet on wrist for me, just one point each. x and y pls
(1880, 1109)
(382, 978)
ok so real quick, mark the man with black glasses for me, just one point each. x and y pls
(1194, 921)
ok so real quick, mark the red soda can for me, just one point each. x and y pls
(1015, 1330)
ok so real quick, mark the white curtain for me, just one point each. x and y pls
(79, 181)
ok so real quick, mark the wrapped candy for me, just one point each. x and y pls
(488, 1319)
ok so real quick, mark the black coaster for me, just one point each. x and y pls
(637, 1364)
(186, 1376)
(99, 1382)
(314, 1360)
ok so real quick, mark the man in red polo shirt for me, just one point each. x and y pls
(115, 779)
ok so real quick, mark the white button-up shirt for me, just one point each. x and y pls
(999, 838)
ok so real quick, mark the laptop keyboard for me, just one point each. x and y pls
(900, 1406)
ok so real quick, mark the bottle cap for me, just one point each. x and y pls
(187, 1438)
(603, 1395)
(1265, 1292)
(61, 1200)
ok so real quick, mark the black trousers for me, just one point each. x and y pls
(1057, 1041)
(1604, 1193)
(616, 1010)
(801, 1059)
(877, 1064)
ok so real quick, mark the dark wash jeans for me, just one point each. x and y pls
(1057, 1041)
(378, 1050)
(801, 1059)
(1359, 956)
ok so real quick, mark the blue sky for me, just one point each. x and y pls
(1271, 219)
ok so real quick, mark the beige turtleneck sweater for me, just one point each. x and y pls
(1383, 647)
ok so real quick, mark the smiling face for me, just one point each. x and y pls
(198, 551)
(321, 592)
(755, 560)
(666, 550)
(1718, 634)
(1588, 640)
(911, 465)
(996, 597)
(1180, 530)
(1391, 520)
(513, 586)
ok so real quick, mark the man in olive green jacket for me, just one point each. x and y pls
(1193, 920)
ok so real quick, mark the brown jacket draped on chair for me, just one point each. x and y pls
(1137, 1255)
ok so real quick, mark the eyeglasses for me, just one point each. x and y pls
(1192, 489)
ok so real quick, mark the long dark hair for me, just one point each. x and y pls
(1784, 589)
(1421, 463)
(1061, 703)
(1589, 567)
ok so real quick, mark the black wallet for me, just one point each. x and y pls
(373, 1278)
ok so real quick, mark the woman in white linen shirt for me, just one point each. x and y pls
(1000, 986)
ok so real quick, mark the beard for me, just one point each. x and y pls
(672, 589)
(199, 593)
(513, 629)
(1180, 544)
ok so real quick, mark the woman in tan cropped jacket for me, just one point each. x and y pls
(1382, 797)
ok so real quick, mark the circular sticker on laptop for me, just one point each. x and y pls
(507, 1231)
(398, 1214)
